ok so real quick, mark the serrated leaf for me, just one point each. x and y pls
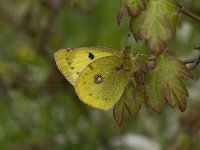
(153, 94)
(133, 6)
(120, 111)
(175, 92)
(172, 72)
(129, 104)
(168, 63)
(164, 83)
(156, 25)
(134, 102)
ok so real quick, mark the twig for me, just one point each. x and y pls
(193, 62)
(194, 65)
(188, 13)
(197, 47)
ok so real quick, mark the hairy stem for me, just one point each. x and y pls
(186, 12)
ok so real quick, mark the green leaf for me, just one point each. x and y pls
(156, 25)
(135, 101)
(120, 111)
(129, 104)
(133, 6)
(172, 72)
(164, 83)
(154, 95)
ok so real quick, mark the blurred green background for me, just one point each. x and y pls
(39, 109)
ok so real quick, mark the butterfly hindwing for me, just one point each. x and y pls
(71, 62)
(102, 82)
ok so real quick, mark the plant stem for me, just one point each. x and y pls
(197, 47)
(193, 62)
(188, 13)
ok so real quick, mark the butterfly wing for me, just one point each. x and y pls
(71, 62)
(102, 83)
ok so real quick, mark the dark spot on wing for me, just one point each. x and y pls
(91, 67)
(72, 67)
(77, 73)
(84, 82)
(120, 67)
(91, 56)
(69, 63)
(105, 98)
(98, 79)
(90, 94)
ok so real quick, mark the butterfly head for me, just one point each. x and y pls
(127, 54)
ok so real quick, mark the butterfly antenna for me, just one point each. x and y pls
(126, 48)
(126, 42)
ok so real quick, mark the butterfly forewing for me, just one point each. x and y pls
(71, 62)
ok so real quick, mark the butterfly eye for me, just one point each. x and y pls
(91, 56)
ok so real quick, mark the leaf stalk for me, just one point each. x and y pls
(186, 12)
(193, 62)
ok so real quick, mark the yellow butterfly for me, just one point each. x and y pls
(98, 74)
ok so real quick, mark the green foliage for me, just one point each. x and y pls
(129, 104)
(164, 83)
(133, 6)
(156, 25)
(155, 86)
(155, 22)
(38, 107)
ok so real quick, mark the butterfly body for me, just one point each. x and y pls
(99, 75)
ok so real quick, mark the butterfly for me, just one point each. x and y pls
(98, 74)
